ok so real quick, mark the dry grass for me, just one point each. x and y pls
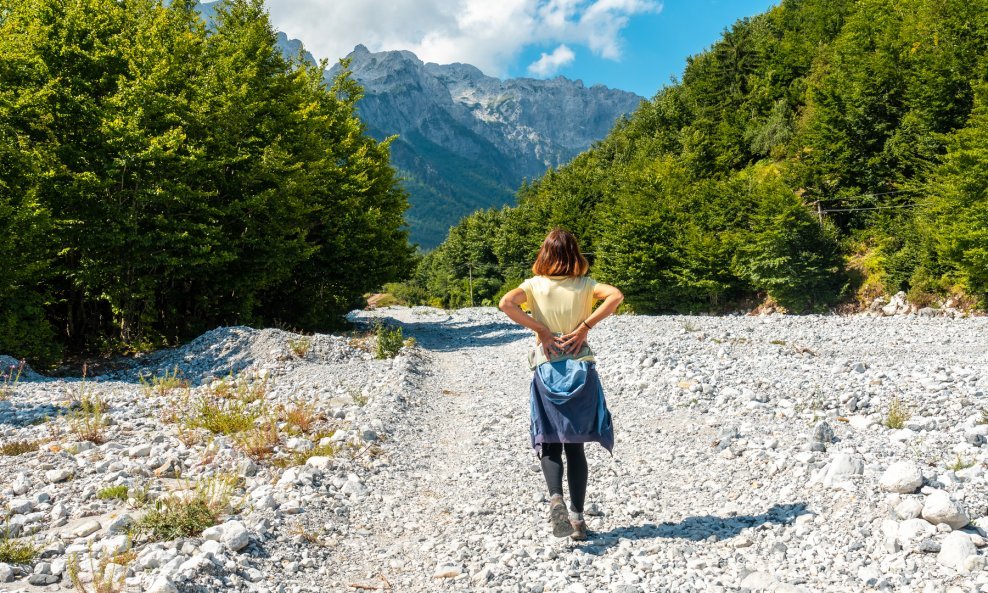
(259, 442)
(300, 457)
(187, 515)
(300, 416)
(9, 378)
(107, 575)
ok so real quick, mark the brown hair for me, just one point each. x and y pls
(560, 255)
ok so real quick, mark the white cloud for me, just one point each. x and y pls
(487, 34)
(549, 64)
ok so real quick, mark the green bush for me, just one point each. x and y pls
(389, 341)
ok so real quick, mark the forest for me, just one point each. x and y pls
(159, 177)
(818, 155)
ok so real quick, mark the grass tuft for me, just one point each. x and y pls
(300, 415)
(187, 516)
(9, 378)
(984, 416)
(164, 385)
(107, 576)
(300, 457)
(14, 448)
(15, 551)
(959, 464)
(897, 415)
(300, 347)
(88, 419)
(118, 492)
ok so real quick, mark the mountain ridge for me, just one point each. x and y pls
(466, 140)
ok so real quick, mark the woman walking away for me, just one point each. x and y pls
(568, 407)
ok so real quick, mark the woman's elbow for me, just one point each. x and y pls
(504, 304)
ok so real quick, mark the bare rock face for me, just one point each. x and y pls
(467, 140)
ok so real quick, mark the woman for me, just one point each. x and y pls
(567, 402)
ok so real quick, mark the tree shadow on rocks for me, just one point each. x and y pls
(446, 336)
(697, 528)
(18, 415)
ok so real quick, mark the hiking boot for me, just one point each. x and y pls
(579, 530)
(559, 517)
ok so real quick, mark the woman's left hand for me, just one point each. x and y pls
(573, 341)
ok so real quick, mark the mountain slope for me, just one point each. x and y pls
(466, 140)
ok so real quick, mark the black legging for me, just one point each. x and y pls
(576, 473)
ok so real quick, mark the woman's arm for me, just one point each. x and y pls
(612, 297)
(511, 305)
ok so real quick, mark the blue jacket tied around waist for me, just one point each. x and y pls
(568, 405)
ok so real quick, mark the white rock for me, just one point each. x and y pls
(235, 536)
(139, 450)
(909, 508)
(842, 467)
(162, 584)
(912, 531)
(447, 571)
(84, 528)
(320, 462)
(955, 549)
(758, 581)
(940, 508)
(6, 573)
(20, 506)
(211, 547)
(117, 544)
(902, 477)
(58, 475)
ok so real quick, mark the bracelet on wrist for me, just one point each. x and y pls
(587, 324)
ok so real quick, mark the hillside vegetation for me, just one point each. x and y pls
(158, 179)
(822, 152)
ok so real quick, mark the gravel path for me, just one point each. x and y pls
(751, 455)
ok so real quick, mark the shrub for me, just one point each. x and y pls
(300, 415)
(389, 341)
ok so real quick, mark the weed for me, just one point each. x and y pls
(13, 448)
(88, 419)
(778, 342)
(119, 492)
(897, 414)
(300, 457)
(300, 415)
(259, 441)
(221, 416)
(984, 416)
(690, 327)
(959, 464)
(309, 537)
(359, 398)
(164, 385)
(187, 516)
(13, 551)
(300, 347)
(107, 576)
(389, 341)
(10, 379)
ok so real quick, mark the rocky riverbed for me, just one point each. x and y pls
(752, 454)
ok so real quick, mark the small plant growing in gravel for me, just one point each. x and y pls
(221, 416)
(984, 416)
(300, 347)
(164, 385)
(300, 415)
(107, 576)
(259, 442)
(359, 398)
(690, 327)
(187, 516)
(897, 415)
(15, 551)
(300, 457)
(389, 341)
(13, 448)
(118, 492)
(88, 419)
(9, 379)
(959, 464)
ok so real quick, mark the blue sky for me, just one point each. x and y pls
(636, 45)
(654, 45)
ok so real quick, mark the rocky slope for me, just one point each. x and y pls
(465, 140)
(752, 455)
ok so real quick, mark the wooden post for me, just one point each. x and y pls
(819, 212)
